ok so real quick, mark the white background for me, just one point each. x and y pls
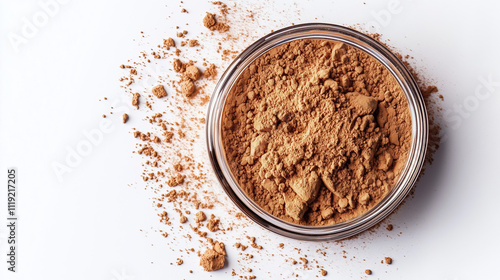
(87, 226)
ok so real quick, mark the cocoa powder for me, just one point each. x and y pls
(316, 132)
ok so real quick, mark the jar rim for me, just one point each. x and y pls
(408, 176)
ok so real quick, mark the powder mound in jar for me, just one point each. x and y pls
(317, 132)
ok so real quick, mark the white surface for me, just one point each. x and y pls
(87, 226)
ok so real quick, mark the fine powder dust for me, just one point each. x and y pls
(316, 132)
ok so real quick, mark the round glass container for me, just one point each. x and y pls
(408, 176)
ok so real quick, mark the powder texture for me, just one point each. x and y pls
(159, 91)
(210, 22)
(214, 259)
(316, 132)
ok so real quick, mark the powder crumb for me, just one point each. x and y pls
(179, 67)
(281, 245)
(188, 88)
(159, 91)
(193, 43)
(179, 261)
(183, 219)
(167, 43)
(211, 23)
(212, 260)
(192, 72)
(176, 180)
(368, 272)
(323, 272)
(213, 223)
(125, 118)
(220, 248)
(389, 227)
(200, 217)
(135, 100)
(178, 167)
(210, 72)
(388, 260)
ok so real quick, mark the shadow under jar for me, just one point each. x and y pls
(317, 132)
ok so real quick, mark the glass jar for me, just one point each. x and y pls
(408, 176)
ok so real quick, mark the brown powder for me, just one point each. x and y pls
(210, 72)
(211, 23)
(193, 43)
(368, 272)
(200, 217)
(124, 118)
(188, 118)
(159, 91)
(213, 223)
(135, 100)
(176, 180)
(179, 66)
(167, 43)
(192, 72)
(214, 259)
(188, 88)
(388, 260)
(317, 132)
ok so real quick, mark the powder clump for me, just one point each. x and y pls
(214, 259)
(210, 22)
(159, 91)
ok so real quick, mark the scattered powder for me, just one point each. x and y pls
(170, 141)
